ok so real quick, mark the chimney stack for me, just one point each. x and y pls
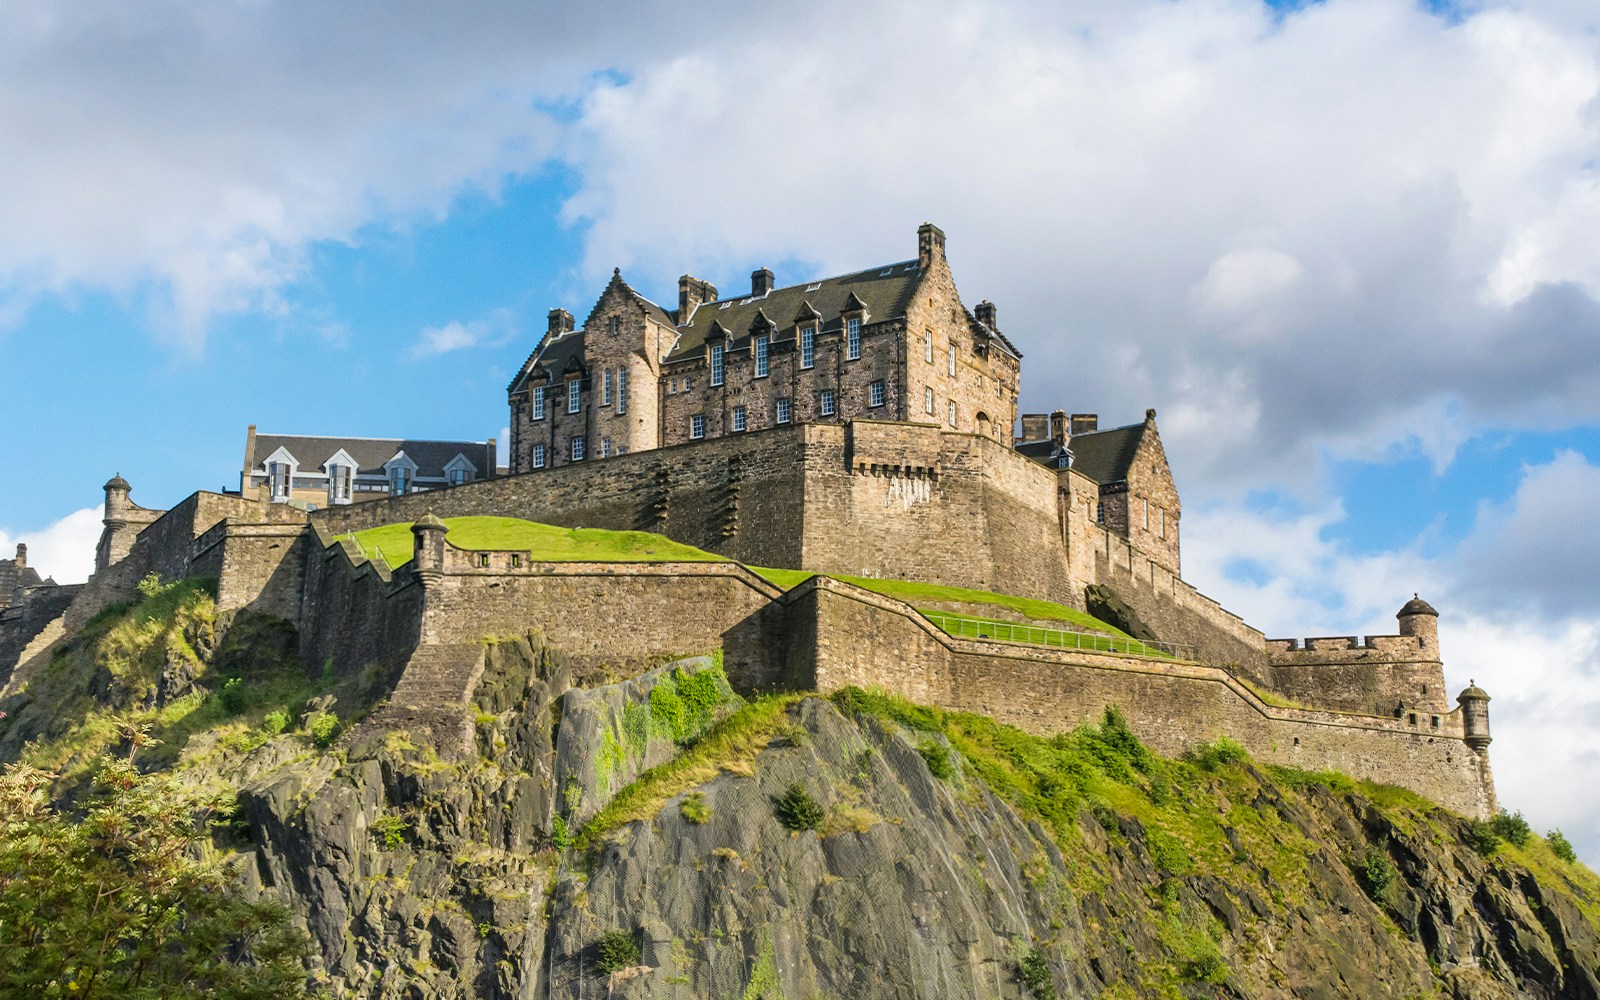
(1035, 426)
(985, 314)
(560, 323)
(1058, 426)
(692, 292)
(1084, 423)
(22, 555)
(761, 282)
(930, 244)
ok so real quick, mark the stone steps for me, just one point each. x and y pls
(431, 700)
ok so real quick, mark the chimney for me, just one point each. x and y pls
(691, 293)
(22, 555)
(985, 314)
(491, 446)
(1035, 426)
(761, 282)
(560, 323)
(1058, 426)
(930, 244)
(1083, 423)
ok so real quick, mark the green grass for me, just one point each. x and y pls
(970, 627)
(544, 542)
(921, 594)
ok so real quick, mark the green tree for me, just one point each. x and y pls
(118, 903)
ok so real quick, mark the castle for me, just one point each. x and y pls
(857, 426)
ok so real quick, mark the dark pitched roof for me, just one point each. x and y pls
(1417, 606)
(1106, 456)
(553, 357)
(370, 453)
(885, 291)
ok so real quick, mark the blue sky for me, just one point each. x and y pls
(1344, 248)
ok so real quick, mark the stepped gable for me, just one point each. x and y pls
(884, 291)
(314, 451)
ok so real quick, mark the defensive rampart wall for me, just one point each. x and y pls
(1397, 675)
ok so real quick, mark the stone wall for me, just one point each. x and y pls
(22, 622)
(1380, 675)
(356, 613)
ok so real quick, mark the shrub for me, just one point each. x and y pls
(1512, 827)
(1034, 971)
(275, 721)
(1561, 846)
(150, 586)
(560, 836)
(391, 829)
(693, 808)
(323, 727)
(797, 810)
(1377, 872)
(617, 950)
(938, 757)
(1482, 838)
(235, 698)
(1210, 756)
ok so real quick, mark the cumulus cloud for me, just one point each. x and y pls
(455, 335)
(64, 549)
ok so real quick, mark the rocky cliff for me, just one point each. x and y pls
(644, 831)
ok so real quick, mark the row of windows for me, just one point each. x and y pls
(927, 405)
(808, 351)
(575, 393)
(783, 411)
(577, 450)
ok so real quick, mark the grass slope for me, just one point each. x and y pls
(545, 542)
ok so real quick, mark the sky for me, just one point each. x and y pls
(1346, 249)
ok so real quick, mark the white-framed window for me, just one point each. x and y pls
(927, 346)
(875, 394)
(399, 481)
(613, 324)
(605, 447)
(605, 388)
(697, 427)
(852, 338)
(538, 456)
(716, 364)
(808, 347)
(538, 402)
(738, 418)
(761, 357)
(827, 402)
(340, 480)
(785, 408)
(574, 395)
(952, 413)
(952, 358)
(457, 476)
(577, 449)
(622, 390)
(927, 399)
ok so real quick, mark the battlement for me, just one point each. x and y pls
(1407, 645)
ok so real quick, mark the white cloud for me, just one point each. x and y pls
(493, 330)
(63, 550)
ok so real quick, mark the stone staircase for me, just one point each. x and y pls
(432, 700)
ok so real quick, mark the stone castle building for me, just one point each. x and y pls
(859, 426)
(311, 471)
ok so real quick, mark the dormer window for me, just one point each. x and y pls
(574, 395)
(808, 346)
(460, 471)
(399, 481)
(281, 477)
(852, 338)
(341, 469)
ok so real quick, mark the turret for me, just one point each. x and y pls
(1474, 702)
(1419, 619)
(428, 562)
(117, 490)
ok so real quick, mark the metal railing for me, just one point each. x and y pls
(964, 627)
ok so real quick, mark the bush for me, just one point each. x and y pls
(797, 810)
(617, 950)
(323, 727)
(1511, 827)
(150, 586)
(235, 698)
(938, 757)
(391, 829)
(1034, 971)
(1210, 756)
(693, 808)
(1377, 872)
(1482, 838)
(275, 721)
(1561, 846)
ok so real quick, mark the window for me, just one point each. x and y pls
(622, 390)
(688, 384)
(1099, 513)
(784, 408)
(1145, 513)
(1161, 519)
(339, 481)
(697, 427)
(457, 476)
(399, 481)
(483, 561)
(516, 561)
(605, 389)
(716, 364)
(875, 394)
(952, 413)
(761, 357)
(852, 338)
(952, 358)
(738, 418)
(927, 346)
(577, 449)
(538, 456)
(538, 402)
(827, 402)
(613, 323)
(605, 447)
(574, 393)
(278, 475)
(808, 347)
(927, 399)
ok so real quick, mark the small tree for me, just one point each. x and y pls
(797, 810)
(616, 951)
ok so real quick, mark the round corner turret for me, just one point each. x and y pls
(428, 557)
(117, 490)
(1419, 620)
(1474, 702)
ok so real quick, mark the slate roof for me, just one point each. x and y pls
(1106, 456)
(884, 290)
(370, 453)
